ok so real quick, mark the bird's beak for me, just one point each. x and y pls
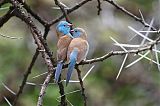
(70, 25)
(72, 31)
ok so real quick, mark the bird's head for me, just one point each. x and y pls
(79, 32)
(64, 27)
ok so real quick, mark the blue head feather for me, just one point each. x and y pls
(64, 27)
(76, 33)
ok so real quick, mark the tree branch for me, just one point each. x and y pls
(99, 7)
(43, 47)
(122, 9)
(63, 101)
(26, 74)
(43, 88)
(82, 86)
(35, 15)
(6, 17)
(41, 43)
(77, 6)
(63, 10)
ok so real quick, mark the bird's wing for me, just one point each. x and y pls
(84, 47)
(81, 45)
(62, 46)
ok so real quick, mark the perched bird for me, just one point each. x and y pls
(63, 32)
(63, 28)
(77, 50)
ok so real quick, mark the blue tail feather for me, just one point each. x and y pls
(58, 71)
(73, 59)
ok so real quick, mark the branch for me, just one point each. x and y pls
(48, 26)
(41, 43)
(99, 7)
(29, 69)
(6, 17)
(62, 93)
(122, 9)
(63, 10)
(35, 15)
(77, 6)
(82, 86)
(60, 84)
(26, 74)
(113, 53)
(43, 88)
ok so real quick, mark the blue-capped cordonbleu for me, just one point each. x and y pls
(64, 39)
(77, 50)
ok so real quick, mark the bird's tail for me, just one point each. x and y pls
(58, 71)
(73, 59)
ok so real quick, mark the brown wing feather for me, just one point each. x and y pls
(83, 51)
(62, 46)
(81, 45)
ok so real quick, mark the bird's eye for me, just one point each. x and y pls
(64, 25)
(76, 31)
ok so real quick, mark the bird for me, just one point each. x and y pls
(77, 50)
(63, 28)
(64, 39)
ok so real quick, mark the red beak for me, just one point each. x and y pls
(70, 24)
(72, 30)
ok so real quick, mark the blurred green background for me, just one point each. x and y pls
(137, 86)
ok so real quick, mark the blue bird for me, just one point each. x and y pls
(77, 50)
(63, 33)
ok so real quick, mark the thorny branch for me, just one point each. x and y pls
(82, 86)
(41, 43)
(45, 35)
(129, 13)
(43, 47)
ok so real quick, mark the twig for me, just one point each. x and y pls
(30, 67)
(59, 4)
(99, 7)
(27, 19)
(77, 6)
(48, 26)
(7, 101)
(11, 91)
(70, 93)
(35, 15)
(157, 57)
(63, 101)
(43, 89)
(125, 58)
(26, 74)
(41, 43)
(129, 13)
(10, 37)
(29, 70)
(82, 86)
(6, 17)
